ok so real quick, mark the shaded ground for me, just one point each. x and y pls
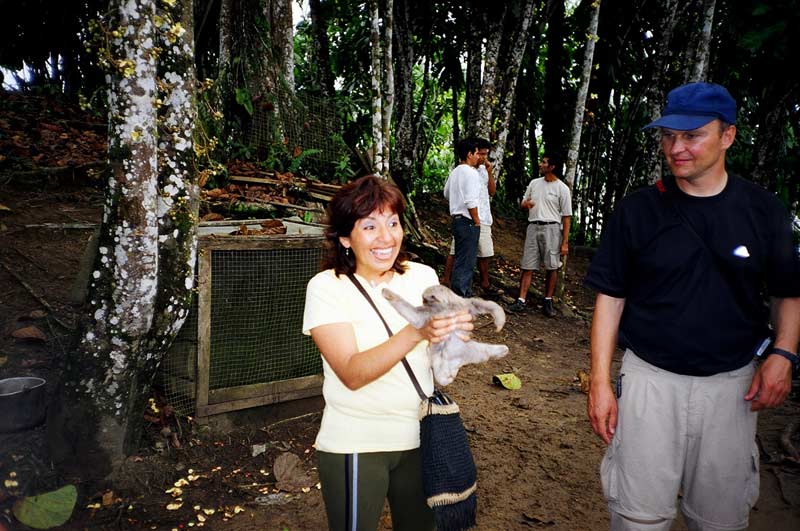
(536, 455)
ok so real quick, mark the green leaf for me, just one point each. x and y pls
(47, 510)
(243, 98)
(508, 380)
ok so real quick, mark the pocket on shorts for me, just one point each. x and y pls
(754, 481)
(609, 471)
(553, 260)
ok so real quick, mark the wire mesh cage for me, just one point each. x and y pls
(307, 124)
(242, 343)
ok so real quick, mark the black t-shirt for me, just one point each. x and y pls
(681, 312)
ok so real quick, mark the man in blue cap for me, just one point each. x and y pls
(681, 275)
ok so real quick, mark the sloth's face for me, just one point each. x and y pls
(436, 295)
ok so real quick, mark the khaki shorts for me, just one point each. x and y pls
(683, 432)
(542, 246)
(485, 244)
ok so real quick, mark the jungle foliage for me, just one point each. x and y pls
(440, 49)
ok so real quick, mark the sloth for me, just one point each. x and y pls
(448, 356)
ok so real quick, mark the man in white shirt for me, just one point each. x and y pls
(549, 204)
(485, 243)
(462, 190)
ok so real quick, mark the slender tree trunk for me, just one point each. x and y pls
(319, 24)
(699, 67)
(655, 93)
(489, 88)
(404, 58)
(553, 137)
(580, 103)
(282, 34)
(577, 123)
(499, 124)
(774, 108)
(388, 83)
(472, 93)
(377, 104)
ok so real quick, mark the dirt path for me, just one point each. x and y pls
(536, 455)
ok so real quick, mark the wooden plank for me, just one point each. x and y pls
(259, 180)
(322, 196)
(260, 242)
(244, 392)
(203, 327)
(225, 407)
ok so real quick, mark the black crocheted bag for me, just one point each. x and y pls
(448, 470)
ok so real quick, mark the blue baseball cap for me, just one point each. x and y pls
(694, 105)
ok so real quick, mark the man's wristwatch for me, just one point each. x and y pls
(794, 359)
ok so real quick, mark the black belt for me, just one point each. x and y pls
(543, 223)
(461, 216)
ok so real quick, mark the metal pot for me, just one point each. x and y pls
(22, 403)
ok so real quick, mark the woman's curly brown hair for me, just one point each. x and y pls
(355, 201)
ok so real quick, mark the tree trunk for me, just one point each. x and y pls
(404, 135)
(580, 103)
(376, 77)
(319, 24)
(388, 83)
(518, 40)
(141, 288)
(489, 88)
(553, 137)
(472, 95)
(699, 66)
(577, 124)
(774, 108)
(655, 93)
(282, 35)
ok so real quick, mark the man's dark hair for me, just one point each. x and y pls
(466, 146)
(482, 143)
(555, 161)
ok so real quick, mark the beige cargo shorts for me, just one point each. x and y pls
(683, 433)
(542, 247)
(485, 243)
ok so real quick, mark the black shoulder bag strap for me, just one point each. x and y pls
(723, 270)
(358, 285)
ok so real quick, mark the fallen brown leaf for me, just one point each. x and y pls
(29, 332)
(108, 498)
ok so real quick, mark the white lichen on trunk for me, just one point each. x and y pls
(388, 83)
(124, 285)
(141, 289)
(376, 76)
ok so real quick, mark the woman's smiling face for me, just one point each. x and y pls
(375, 242)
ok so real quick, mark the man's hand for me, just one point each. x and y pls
(527, 204)
(771, 383)
(602, 409)
(564, 248)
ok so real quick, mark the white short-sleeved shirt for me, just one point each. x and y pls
(484, 204)
(382, 415)
(462, 189)
(552, 200)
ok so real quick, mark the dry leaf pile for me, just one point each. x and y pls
(44, 132)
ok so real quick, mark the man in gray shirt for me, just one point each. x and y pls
(549, 204)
